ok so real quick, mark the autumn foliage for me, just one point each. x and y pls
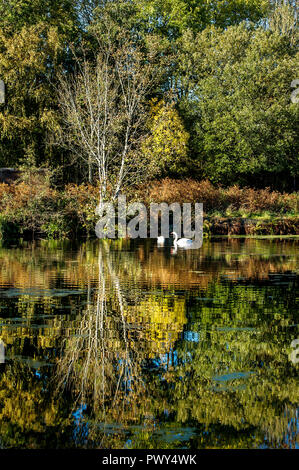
(35, 208)
(218, 199)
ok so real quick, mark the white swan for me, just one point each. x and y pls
(160, 241)
(182, 242)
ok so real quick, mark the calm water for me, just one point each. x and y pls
(113, 345)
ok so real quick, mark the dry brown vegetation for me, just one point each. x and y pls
(36, 207)
(220, 199)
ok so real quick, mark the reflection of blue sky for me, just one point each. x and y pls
(192, 336)
(168, 359)
(232, 376)
(80, 432)
(127, 374)
(291, 438)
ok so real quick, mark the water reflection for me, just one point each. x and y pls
(125, 345)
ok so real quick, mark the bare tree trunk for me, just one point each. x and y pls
(90, 171)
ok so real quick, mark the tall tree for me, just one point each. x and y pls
(235, 88)
(173, 17)
(104, 105)
(166, 146)
(33, 42)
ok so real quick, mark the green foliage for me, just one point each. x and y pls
(166, 148)
(9, 230)
(172, 17)
(236, 99)
(33, 40)
(229, 64)
(56, 13)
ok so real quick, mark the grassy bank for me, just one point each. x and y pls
(34, 208)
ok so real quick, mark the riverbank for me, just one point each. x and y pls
(33, 208)
(251, 227)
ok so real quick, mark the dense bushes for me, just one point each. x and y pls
(36, 209)
(233, 201)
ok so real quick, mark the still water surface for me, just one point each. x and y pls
(126, 345)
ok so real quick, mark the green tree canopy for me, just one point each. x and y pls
(33, 42)
(235, 88)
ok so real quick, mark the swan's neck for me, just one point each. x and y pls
(175, 237)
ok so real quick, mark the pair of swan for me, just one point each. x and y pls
(178, 242)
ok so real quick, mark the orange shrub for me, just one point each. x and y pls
(18, 195)
(261, 200)
(188, 190)
(218, 199)
(234, 197)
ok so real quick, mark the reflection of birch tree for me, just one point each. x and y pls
(101, 363)
(2, 92)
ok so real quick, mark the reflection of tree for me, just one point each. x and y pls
(147, 343)
(32, 266)
(29, 414)
(236, 380)
(101, 364)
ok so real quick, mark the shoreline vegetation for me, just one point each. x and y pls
(33, 208)
(169, 102)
